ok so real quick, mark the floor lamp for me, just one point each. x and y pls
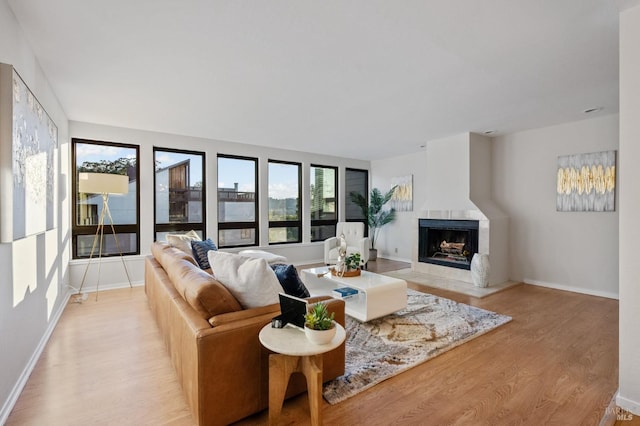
(104, 184)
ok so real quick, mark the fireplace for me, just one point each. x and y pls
(447, 242)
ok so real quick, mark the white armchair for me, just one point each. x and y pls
(356, 242)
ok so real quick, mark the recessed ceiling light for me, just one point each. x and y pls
(592, 110)
(423, 145)
(489, 132)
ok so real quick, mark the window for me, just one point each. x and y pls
(356, 181)
(285, 220)
(324, 206)
(237, 201)
(180, 192)
(112, 158)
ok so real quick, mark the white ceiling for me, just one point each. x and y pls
(364, 79)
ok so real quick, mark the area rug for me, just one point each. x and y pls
(384, 347)
(448, 284)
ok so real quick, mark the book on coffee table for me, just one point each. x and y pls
(344, 292)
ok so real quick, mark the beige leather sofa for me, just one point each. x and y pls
(213, 342)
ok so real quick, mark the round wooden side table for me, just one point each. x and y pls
(294, 353)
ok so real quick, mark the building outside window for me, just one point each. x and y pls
(285, 220)
(112, 158)
(237, 201)
(179, 192)
(324, 206)
(356, 180)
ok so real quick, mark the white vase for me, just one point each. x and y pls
(320, 337)
(480, 270)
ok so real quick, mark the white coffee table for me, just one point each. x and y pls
(295, 353)
(378, 295)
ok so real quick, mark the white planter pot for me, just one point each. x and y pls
(320, 337)
(480, 270)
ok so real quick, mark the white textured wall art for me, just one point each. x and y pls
(28, 143)
(586, 182)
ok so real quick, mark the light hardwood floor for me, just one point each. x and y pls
(555, 363)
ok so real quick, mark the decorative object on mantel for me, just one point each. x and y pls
(28, 148)
(373, 211)
(319, 326)
(480, 270)
(384, 347)
(586, 182)
(402, 199)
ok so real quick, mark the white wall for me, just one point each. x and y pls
(629, 177)
(33, 270)
(401, 233)
(448, 174)
(306, 252)
(568, 250)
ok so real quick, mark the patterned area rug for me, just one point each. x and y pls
(382, 348)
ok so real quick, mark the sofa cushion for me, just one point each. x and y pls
(166, 254)
(251, 281)
(204, 294)
(289, 280)
(200, 250)
(183, 241)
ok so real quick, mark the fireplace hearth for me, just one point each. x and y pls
(447, 242)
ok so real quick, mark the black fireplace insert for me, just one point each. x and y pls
(447, 242)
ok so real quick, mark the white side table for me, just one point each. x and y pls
(294, 353)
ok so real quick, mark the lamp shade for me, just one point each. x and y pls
(103, 183)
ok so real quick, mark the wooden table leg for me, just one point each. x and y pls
(312, 370)
(280, 369)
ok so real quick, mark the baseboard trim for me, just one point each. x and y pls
(573, 289)
(627, 404)
(24, 377)
(105, 287)
(397, 259)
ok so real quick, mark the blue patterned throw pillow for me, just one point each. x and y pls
(200, 250)
(290, 281)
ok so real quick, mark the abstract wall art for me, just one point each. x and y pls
(28, 148)
(402, 199)
(586, 182)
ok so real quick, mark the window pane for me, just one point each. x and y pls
(236, 190)
(179, 187)
(110, 158)
(284, 192)
(126, 241)
(356, 181)
(323, 193)
(237, 237)
(97, 158)
(285, 221)
(322, 232)
(284, 235)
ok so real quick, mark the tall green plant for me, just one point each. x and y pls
(376, 216)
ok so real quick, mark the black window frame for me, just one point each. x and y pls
(326, 222)
(255, 225)
(348, 201)
(77, 230)
(288, 223)
(184, 226)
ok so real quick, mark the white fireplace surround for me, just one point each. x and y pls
(467, 159)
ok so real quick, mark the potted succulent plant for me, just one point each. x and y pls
(373, 211)
(319, 326)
